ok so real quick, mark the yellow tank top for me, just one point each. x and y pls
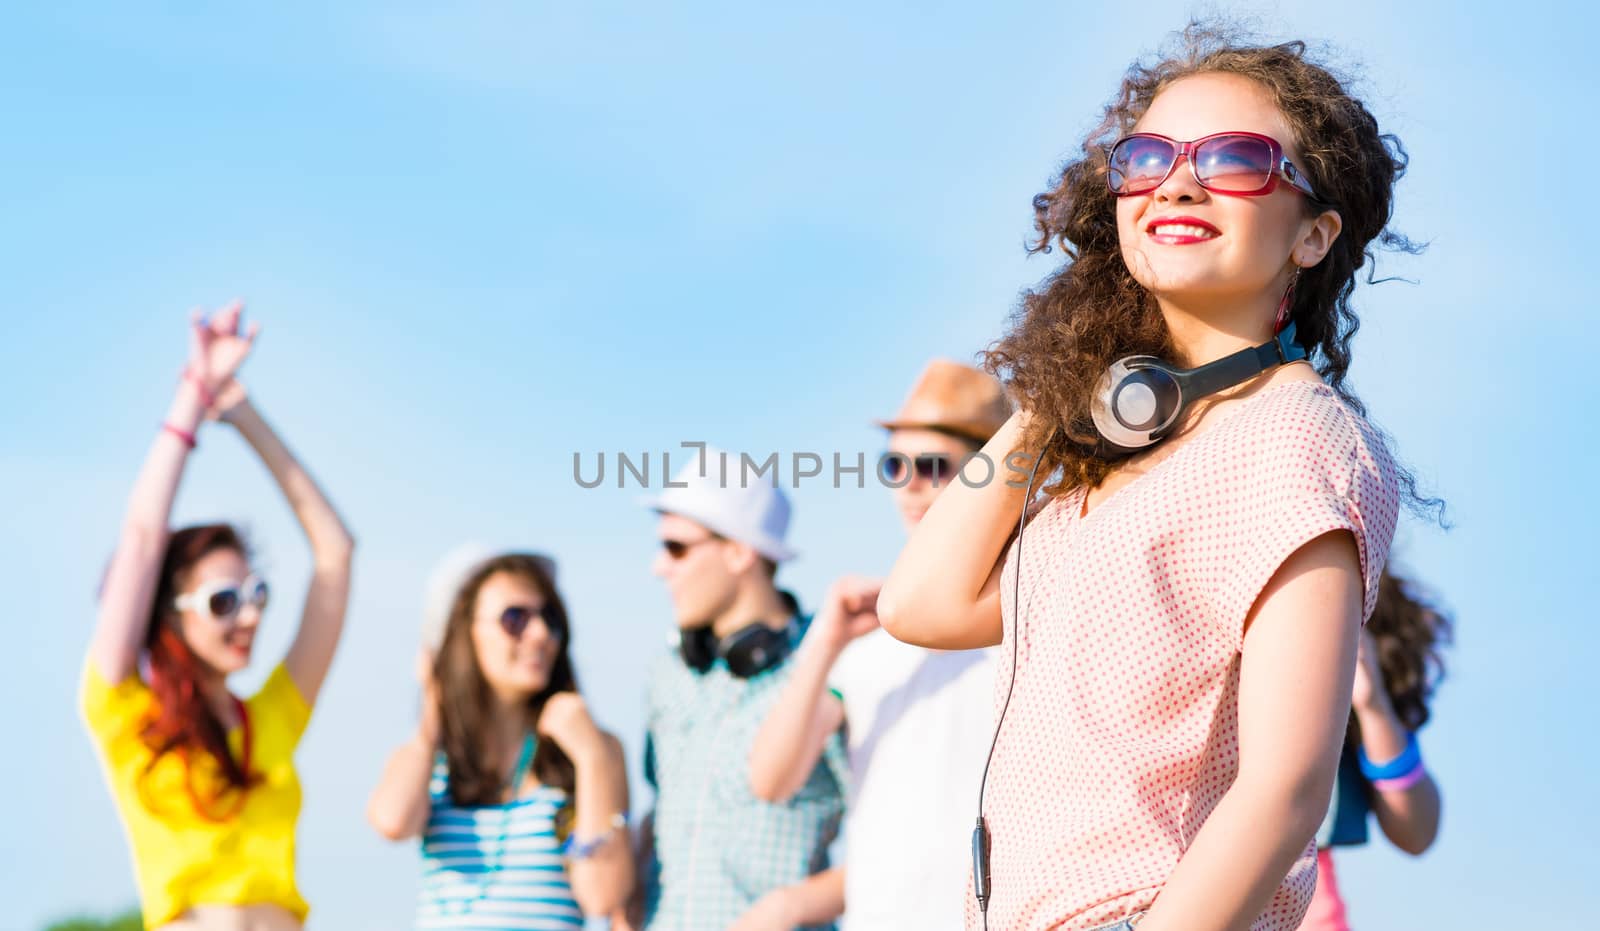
(181, 858)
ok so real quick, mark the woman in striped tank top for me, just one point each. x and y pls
(519, 798)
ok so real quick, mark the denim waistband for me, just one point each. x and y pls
(1123, 924)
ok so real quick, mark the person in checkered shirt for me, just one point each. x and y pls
(714, 855)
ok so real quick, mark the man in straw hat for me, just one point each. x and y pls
(918, 720)
(715, 855)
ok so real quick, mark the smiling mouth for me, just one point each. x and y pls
(1182, 231)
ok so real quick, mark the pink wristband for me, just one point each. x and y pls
(206, 399)
(1401, 783)
(184, 435)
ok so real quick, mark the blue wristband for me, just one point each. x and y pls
(577, 849)
(1409, 759)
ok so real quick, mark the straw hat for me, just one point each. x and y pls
(953, 398)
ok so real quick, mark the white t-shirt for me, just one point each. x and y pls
(919, 723)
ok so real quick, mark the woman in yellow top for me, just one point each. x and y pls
(205, 782)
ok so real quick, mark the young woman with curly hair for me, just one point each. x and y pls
(1180, 632)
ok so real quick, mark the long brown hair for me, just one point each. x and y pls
(1409, 628)
(464, 697)
(182, 718)
(1091, 311)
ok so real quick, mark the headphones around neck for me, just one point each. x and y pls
(1136, 405)
(1140, 399)
(748, 651)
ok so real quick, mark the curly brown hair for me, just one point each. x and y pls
(1409, 628)
(1091, 311)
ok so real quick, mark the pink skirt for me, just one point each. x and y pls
(1327, 906)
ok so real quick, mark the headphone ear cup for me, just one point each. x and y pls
(698, 647)
(753, 650)
(1135, 401)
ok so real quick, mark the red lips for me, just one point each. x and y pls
(1162, 230)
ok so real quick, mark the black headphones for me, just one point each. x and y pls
(1137, 403)
(749, 651)
(1140, 398)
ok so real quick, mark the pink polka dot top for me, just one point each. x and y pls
(1122, 733)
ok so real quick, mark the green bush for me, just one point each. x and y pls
(127, 921)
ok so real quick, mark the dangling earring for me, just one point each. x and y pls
(1287, 302)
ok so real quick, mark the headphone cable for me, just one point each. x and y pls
(980, 833)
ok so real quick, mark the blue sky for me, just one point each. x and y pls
(482, 240)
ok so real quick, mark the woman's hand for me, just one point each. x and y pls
(131, 580)
(216, 349)
(400, 804)
(602, 876)
(565, 719)
(428, 722)
(226, 401)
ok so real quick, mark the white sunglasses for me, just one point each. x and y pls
(223, 600)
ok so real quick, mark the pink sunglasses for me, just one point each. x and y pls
(1237, 163)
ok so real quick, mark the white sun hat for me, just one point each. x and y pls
(729, 503)
(447, 576)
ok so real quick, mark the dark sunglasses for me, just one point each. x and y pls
(677, 549)
(224, 600)
(1237, 163)
(516, 618)
(935, 467)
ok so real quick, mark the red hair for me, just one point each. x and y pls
(182, 719)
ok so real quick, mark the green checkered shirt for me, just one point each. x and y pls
(717, 847)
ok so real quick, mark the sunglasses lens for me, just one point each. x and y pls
(223, 604)
(258, 595)
(893, 466)
(1139, 164)
(1234, 164)
(675, 548)
(515, 620)
(936, 468)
